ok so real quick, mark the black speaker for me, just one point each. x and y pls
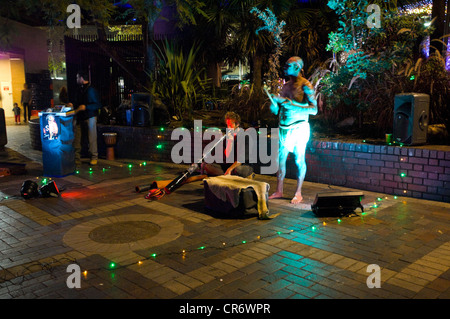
(411, 114)
(337, 203)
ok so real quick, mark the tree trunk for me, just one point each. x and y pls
(257, 72)
(438, 12)
(215, 74)
(153, 15)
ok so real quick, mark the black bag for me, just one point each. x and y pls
(247, 207)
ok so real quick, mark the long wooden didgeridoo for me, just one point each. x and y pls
(164, 183)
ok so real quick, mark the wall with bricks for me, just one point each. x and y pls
(405, 171)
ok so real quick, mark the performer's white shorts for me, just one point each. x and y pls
(294, 138)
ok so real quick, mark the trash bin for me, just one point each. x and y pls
(57, 136)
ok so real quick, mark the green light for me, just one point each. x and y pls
(153, 255)
(402, 174)
(339, 220)
(375, 206)
(379, 199)
(90, 168)
(412, 77)
(244, 242)
(159, 146)
(201, 248)
(77, 172)
(145, 163)
(364, 141)
(130, 166)
(44, 180)
(112, 265)
(395, 197)
(161, 129)
(313, 228)
(278, 232)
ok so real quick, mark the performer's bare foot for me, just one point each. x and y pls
(297, 199)
(276, 195)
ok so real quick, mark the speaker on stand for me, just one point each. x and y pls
(411, 115)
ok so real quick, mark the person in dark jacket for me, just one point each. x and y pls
(25, 100)
(86, 108)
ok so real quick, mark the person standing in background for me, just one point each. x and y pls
(26, 102)
(16, 110)
(87, 106)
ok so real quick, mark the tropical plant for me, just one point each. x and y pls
(250, 104)
(371, 66)
(180, 83)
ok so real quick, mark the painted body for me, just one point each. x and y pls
(294, 105)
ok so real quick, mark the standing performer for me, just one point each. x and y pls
(294, 105)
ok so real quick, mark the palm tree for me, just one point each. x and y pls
(256, 47)
(306, 33)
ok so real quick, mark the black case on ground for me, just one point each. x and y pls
(248, 203)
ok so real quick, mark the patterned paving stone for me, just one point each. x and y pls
(202, 255)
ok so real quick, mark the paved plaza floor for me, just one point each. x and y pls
(129, 247)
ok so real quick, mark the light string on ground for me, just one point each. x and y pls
(114, 266)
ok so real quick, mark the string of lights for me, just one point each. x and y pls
(10, 278)
(7, 276)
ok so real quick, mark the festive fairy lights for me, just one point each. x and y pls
(420, 7)
(314, 229)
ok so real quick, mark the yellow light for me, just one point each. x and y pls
(139, 262)
(324, 223)
(85, 273)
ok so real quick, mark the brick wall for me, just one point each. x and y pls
(406, 171)
(375, 168)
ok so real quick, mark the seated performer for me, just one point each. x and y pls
(294, 105)
(233, 166)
